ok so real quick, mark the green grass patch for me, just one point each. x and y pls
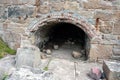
(4, 49)
(47, 66)
(5, 77)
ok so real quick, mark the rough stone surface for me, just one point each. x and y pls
(48, 51)
(104, 15)
(7, 66)
(116, 27)
(97, 4)
(116, 51)
(71, 5)
(100, 51)
(106, 27)
(43, 56)
(76, 54)
(56, 46)
(112, 70)
(22, 58)
(31, 74)
(95, 73)
(58, 69)
(18, 15)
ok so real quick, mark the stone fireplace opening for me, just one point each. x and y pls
(62, 39)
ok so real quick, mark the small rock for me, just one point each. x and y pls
(49, 56)
(44, 51)
(76, 54)
(95, 73)
(56, 46)
(43, 56)
(83, 51)
(48, 51)
(72, 43)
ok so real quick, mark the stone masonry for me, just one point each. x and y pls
(100, 20)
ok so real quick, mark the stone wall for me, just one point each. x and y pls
(16, 16)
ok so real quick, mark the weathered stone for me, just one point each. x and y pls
(104, 15)
(95, 73)
(115, 57)
(71, 5)
(55, 6)
(116, 28)
(12, 39)
(99, 51)
(88, 14)
(44, 9)
(111, 70)
(109, 42)
(56, 46)
(20, 11)
(116, 46)
(22, 58)
(48, 51)
(106, 27)
(116, 51)
(17, 2)
(116, 7)
(76, 54)
(82, 13)
(109, 37)
(117, 14)
(118, 37)
(25, 43)
(7, 66)
(115, 2)
(31, 74)
(14, 28)
(43, 56)
(72, 42)
(97, 4)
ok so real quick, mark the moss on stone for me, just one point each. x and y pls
(4, 49)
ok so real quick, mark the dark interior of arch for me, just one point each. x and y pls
(63, 34)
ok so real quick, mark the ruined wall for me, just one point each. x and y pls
(16, 15)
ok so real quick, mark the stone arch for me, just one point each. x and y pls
(68, 17)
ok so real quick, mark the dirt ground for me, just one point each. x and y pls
(69, 70)
(65, 67)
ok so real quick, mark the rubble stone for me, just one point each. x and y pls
(48, 51)
(99, 51)
(56, 46)
(76, 54)
(22, 58)
(111, 70)
(43, 56)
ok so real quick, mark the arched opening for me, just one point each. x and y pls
(67, 37)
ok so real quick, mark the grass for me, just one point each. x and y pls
(46, 67)
(5, 77)
(4, 49)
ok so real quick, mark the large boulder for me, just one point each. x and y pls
(28, 56)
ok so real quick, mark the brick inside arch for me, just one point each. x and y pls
(68, 17)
